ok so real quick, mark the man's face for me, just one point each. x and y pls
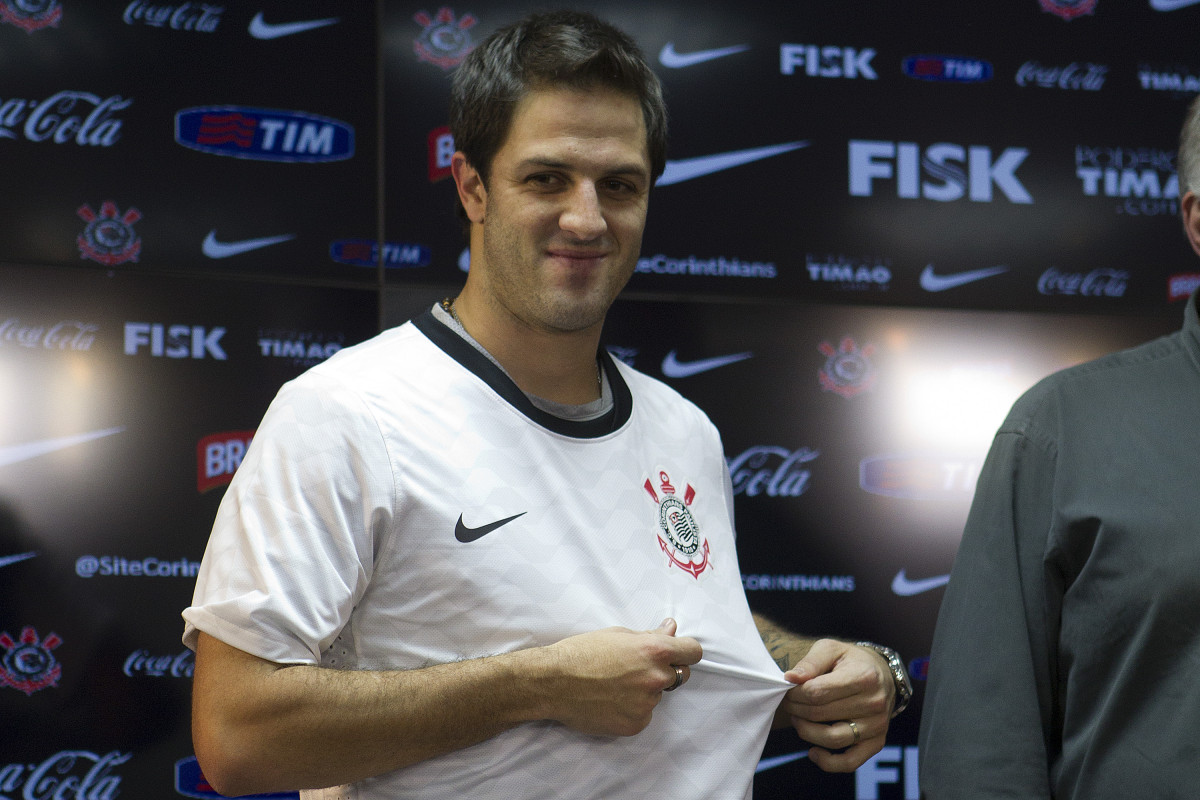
(563, 214)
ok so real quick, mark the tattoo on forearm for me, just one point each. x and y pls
(782, 649)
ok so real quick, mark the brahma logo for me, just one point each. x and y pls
(264, 134)
(108, 238)
(680, 538)
(28, 665)
(444, 41)
(441, 149)
(1180, 287)
(31, 15)
(218, 456)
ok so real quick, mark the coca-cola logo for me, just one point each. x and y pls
(66, 775)
(199, 17)
(70, 334)
(773, 471)
(141, 662)
(1074, 76)
(81, 118)
(1097, 283)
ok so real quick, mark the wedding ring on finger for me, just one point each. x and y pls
(853, 730)
(678, 680)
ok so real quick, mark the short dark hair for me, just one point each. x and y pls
(1187, 162)
(556, 48)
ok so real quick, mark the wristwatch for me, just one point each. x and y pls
(904, 688)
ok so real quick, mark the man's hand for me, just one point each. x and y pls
(611, 680)
(838, 683)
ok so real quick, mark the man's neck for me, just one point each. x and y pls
(555, 365)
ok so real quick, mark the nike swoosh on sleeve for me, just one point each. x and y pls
(261, 29)
(673, 60)
(685, 169)
(214, 249)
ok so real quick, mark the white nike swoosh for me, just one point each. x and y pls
(669, 58)
(1171, 5)
(6, 560)
(940, 283)
(904, 587)
(16, 453)
(778, 761)
(267, 30)
(685, 169)
(214, 249)
(674, 368)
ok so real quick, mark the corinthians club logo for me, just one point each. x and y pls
(109, 237)
(28, 664)
(31, 15)
(848, 369)
(444, 41)
(679, 535)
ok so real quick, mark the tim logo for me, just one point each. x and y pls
(264, 134)
(108, 238)
(28, 664)
(1069, 9)
(218, 456)
(947, 69)
(444, 41)
(31, 15)
(190, 782)
(848, 369)
(679, 534)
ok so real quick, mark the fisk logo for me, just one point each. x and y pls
(218, 456)
(174, 341)
(264, 134)
(943, 172)
(827, 62)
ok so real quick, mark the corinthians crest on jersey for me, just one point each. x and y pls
(679, 534)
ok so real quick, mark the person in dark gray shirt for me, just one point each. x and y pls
(1066, 658)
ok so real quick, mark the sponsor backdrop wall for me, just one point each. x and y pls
(877, 227)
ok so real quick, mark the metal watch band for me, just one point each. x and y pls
(904, 688)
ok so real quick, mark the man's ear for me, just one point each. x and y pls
(1191, 219)
(471, 191)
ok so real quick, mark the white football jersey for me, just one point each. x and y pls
(403, 504)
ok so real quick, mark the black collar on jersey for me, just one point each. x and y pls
(464, 353)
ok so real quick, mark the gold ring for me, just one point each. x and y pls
(853, 730)
(678, 680)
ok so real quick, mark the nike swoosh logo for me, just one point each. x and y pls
(214, 249)
(1171, 5)
(14, 454)
(940, 283)
(6, 560)
(672, 367)
(687, 168)
(669, 58)
(778, 761)
(904, 587)
(466, 534)
(260, 29)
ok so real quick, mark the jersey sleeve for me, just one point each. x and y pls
(986, 726)
(293, 544)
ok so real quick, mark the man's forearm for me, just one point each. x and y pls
(785, 647)
(258, 726)
(309, 727)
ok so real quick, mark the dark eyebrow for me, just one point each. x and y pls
(621, 169)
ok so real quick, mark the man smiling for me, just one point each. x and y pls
(443, 567)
